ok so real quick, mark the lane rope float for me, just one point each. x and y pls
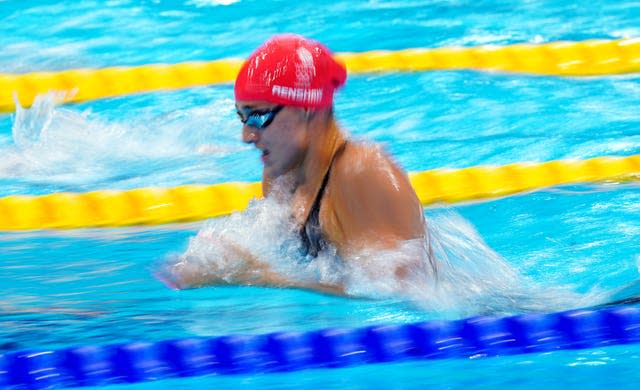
(140, 361)
(583, 58)
(154, 206)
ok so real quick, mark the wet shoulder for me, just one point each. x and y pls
(365, 160)
(369, 194)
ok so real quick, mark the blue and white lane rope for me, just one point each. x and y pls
(328, 348)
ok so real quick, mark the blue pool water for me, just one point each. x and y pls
(95, 286)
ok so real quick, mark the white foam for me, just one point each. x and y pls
(470, 279)
(63, 145)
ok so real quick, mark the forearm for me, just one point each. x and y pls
(187, 280)
(264, 276)
(276, 280)
(250, 271)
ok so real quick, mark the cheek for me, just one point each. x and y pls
(295, 146)
(299, 139)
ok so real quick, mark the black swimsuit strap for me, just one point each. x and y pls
(311, 233)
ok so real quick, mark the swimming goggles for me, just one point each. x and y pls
(258, 118)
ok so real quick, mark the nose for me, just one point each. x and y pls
(250, 135)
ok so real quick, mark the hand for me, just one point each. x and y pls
(182, 272)
(242, 266)
(228, 263)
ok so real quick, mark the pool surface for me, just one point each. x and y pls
(96, 286)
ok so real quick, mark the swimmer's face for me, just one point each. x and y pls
(283, 141)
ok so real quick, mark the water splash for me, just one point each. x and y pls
(477, 280)
(471, 278)
(55, 145)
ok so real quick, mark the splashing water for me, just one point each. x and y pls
(476, 280)
(55, 145)
(59, 142)
(471, 278)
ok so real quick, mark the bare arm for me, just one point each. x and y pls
(252, 271)
(372, 206)
(373, 202)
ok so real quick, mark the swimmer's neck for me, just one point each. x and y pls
(325, 139)
(324, 143)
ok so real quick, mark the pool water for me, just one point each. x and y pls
(96, 286)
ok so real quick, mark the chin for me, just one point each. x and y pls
(275, 173)
(271, 173)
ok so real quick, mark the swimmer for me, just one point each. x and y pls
(344, 194)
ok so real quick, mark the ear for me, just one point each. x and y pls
(308, 114)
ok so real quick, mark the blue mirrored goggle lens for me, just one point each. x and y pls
(258, 118)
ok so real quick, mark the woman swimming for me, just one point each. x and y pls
(342, 194)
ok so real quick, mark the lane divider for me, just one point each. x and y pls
(110, 208)
(154, 206)
(94, 365)
(584, 58)
(488, 182)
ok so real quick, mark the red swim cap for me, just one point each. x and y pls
(291, 70)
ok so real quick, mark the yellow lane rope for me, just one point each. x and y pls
(585, 58)
(151, 206)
